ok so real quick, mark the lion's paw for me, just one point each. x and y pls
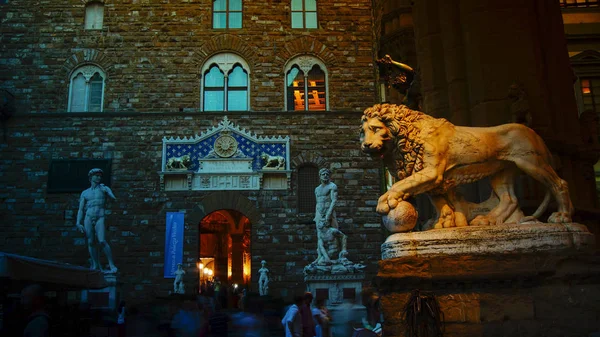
(559, 217)
(480, 220)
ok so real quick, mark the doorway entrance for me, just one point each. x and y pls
(224, 251)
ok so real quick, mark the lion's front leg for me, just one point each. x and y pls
(417, 183)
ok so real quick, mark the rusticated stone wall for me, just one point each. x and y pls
(152, 51)
(38, 224)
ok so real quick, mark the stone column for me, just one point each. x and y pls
(237, 258)
(470, 52)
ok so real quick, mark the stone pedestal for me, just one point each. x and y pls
(343, 299)
(105, 298)
(507, 280)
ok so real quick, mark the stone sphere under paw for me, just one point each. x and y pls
(402, 218)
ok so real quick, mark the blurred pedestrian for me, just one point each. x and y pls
(121, 330)
(218, 323)
(308, 323)
(38, 322)
(292, 321)
(322, 319)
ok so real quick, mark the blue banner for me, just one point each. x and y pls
(173, 243)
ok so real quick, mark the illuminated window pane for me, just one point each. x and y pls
(297, 21)
(235, 20)
(219, 20)
(316, 89)
(237, 100)
(238, 77)
(78, 93)
(295, 90)
(95, 95)
(311, 20)
(310, 5)
(297, 5)
(235, 5)
(219, 5)
(214, 78)
(213, 100)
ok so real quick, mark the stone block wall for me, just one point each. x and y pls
(536, 294)
(38, 224)
(153, 51)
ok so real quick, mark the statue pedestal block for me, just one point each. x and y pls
(507, 280)
(105, 298)
(342, 293)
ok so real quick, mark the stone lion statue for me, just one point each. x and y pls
(179, 163)
(433, 156)
(273, 162)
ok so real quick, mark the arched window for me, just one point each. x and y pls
(94, 15)
(306, 84)
(227, 14)
(304, 13)
(308, 180)
(86, 89)
(225, 83)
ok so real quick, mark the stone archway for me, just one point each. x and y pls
(225, 221)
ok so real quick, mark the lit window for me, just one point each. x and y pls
(304, 13)
(225, 83)
(585, 87)
(86, 90)
(306, 84)
(227, 13)
(94, 15)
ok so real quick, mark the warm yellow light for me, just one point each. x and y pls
(210, 272)
(235, 286)
(205, 270)
(200, 266)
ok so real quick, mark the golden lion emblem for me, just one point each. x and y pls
(431, 155)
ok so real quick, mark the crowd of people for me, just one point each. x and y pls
(211, 314)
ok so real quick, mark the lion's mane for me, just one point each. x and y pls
(400, 120)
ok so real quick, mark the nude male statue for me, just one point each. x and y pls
(92, 203)
(330, 240)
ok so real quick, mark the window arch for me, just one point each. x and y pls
(94, 15)
(306, 84)
(308, 179)
(86, 89)
(225, 83)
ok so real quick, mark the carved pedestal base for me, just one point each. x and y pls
(510, 280)
(343, 299)
(105, 298)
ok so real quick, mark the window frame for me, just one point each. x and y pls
(227, 13)
(306, 63)
(303, 11)
(98, 8)
(304, 202)
(226, 63)
(88, 71)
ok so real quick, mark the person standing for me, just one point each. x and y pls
(91, 203)
(121, 320)
(292, 321)
(308, 323)
(38, 322)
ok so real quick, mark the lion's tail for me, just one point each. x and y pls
(540, 210)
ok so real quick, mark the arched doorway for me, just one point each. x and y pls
(224, 250)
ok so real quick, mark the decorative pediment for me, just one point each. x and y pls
(586, 57)
(227, 156)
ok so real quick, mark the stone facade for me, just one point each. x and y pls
(42, 225)
(152, 53)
